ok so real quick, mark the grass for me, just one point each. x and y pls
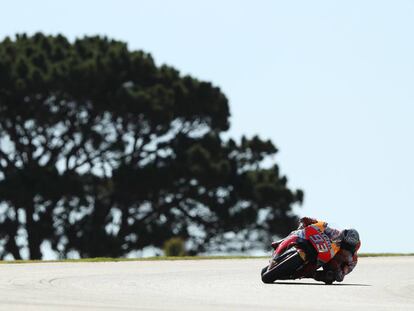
(159, 258)
(109, 259)
(385, 254)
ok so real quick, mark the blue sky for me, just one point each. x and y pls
(330, 82)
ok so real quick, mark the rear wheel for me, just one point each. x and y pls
(283, 269)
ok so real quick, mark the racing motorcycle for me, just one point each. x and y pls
(303, 250)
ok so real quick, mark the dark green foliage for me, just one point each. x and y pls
(102, 153)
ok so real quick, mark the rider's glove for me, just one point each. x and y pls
(306, 221)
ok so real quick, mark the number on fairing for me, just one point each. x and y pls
(319, 242)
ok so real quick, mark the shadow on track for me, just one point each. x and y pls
(319, 284)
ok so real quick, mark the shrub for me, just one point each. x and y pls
(174, 247)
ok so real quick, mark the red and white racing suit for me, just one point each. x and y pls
(343, 262)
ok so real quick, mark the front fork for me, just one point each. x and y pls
(302, 254)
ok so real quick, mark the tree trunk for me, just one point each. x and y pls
(13, 248)
(33, 233)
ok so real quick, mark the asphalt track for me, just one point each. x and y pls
(376, 284)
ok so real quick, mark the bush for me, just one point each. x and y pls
(174, 247)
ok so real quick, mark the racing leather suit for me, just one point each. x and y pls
(343, 262)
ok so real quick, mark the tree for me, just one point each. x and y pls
(102, 152)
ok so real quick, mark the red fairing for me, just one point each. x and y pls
(324, 247)
(288, 242)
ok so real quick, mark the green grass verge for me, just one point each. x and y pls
(159, 258)
(109, 259)
(384, 254)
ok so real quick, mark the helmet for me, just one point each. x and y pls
(350, 237)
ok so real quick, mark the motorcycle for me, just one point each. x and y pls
(302, 251)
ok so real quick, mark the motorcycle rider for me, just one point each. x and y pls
(345, 259)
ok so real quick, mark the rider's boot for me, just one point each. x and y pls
(324, 276)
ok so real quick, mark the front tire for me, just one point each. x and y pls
(282, 270)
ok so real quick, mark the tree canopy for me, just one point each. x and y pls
(102, 153)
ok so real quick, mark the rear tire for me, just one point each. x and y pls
(283, 270)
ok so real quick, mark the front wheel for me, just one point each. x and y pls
(282, 270)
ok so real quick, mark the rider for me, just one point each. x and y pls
(345, 259)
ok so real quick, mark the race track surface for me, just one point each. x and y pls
(376, 284)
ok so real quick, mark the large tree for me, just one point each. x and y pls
(102, 152)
